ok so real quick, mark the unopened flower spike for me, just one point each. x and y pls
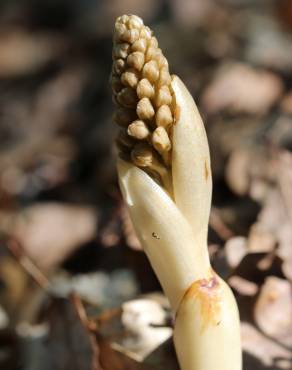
(165, 178)
(141, 86)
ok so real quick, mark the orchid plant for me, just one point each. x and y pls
(165, 178)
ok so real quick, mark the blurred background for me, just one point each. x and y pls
(76, 291)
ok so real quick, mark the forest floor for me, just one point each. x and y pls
(76, 290)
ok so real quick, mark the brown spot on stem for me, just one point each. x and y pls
(206, 171)
(155, 235)
(206, 293)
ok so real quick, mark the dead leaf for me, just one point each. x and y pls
(239, 88)
(22, 52)
(136, 337)
(273, 310)
(235, 249)
(261, 240)
(243, 286)
(49, 232)
(262, 353)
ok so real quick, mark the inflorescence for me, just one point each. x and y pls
(141, 86)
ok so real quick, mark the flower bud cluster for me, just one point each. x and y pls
(141, 89)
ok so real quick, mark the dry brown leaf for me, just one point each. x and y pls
(250, 169)
(261, 240)
(22, 52)
(273, 310)
(144, 321)
(137, 336)
(261, 352)
(189, 13)
(238, 88)
(237, 171)
(49, 232)
(243, 286)
(138, 329)
(14, 280)
(273, 227)
(235, 249)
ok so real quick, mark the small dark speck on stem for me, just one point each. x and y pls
(155, 235)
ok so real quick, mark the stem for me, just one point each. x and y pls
(164, 233)
(171, 218)
(206, 333)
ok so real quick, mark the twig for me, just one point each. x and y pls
(90, 326)
(29, 266)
